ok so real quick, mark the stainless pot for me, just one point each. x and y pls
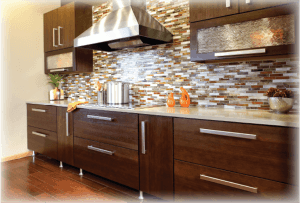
(117, 93)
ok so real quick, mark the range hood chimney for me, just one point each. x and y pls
(128, 25)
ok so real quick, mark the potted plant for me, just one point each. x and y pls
(56, 94)
(280, 101)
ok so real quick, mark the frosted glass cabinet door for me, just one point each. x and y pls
(265, 32)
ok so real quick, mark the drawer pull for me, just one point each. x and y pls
(67, 124)
(242, 52)
(228, 183)
(100, 150)
(226, 133)
(100, 118)
(143, 126)
(39, 134)
(58, 70)
(39, 110)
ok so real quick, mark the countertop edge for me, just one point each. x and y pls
(176, 115)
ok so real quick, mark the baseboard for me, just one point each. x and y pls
(16, 156)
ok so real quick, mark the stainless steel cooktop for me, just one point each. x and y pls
(120, 106)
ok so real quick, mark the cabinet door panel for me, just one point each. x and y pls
(66, 25)
(260, 4)
(50, 35)
(156, 165)
(42, 141)
(197, 182)
(64, 141)
(201, 10)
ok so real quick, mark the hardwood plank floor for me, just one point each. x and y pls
(40, 179)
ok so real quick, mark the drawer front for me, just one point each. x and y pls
(41, 116)
(42, 141)
(269, 154)
(194, 181)
(114, 163)
(120, 129)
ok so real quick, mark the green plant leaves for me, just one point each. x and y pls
(55, 79)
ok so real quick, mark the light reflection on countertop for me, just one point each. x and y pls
(218, 114)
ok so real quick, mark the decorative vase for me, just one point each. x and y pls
(185, 98)
(171, 100)
(56, 94)
(280, 104)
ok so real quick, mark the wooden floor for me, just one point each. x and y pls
(41, 179)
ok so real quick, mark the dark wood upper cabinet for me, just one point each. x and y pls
(62, 25)
(65, 136)
(251, 5)
(243, 36)
(202, 10)
(156, 163)
(50, 31)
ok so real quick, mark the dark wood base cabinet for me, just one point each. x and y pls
(115, 163)
(197, 182)
(156, 156)
(65, 136)
(171, 158)
(42, 141)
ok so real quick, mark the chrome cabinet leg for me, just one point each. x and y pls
(80, 173)
(33, 154)
(141, 195)
(61, 164)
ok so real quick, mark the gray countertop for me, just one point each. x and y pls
(217, 114)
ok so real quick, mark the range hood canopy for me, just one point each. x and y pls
(128, 25)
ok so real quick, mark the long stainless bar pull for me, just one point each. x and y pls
(100, 118)
(57, 70)
(227, 133)
(101, 150)
(59, 36)
(39, 110)
(248, 1)
(143, 126)
(227, 3)
(39, 134)
(242, 52)
(228, 183)
(67, 124)
(54, 37)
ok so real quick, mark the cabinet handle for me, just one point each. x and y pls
(57, 70)
(242, 52)
(143, 126)
(248, 1)
(67, 124)
(39, 134)
(227, 133)
(228, 183)
(227, 3)
(39, 110)
(100, 118)
(54, 37)
(100, 150)
(59, 35)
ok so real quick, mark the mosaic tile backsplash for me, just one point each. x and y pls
(155, 71)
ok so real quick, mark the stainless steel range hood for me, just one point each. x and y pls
(128, 25)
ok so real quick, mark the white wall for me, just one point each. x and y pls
(22, 68)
